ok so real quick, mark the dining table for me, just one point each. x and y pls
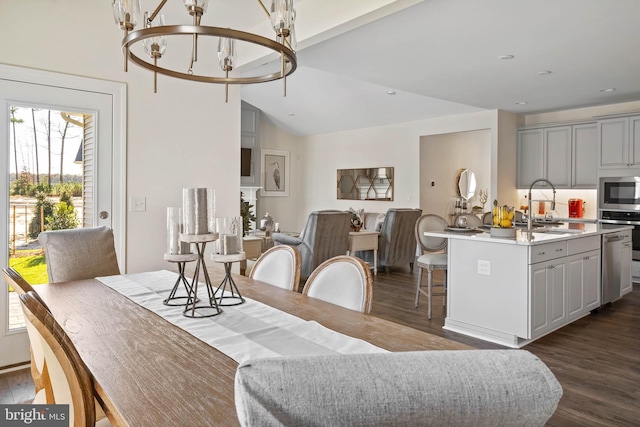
(153, 369)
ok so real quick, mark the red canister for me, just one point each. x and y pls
(576, 208)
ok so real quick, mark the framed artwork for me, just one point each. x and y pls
(275, 172)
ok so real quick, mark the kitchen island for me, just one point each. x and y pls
(513, 291)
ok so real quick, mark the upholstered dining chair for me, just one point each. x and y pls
(81, 253)
(469, 220)
(431, 261)
(325, 235)
(68, 378)
(343, 280)
(278, 266)
(38, 368)
(396, 242)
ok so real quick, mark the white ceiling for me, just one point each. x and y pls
(441, 57)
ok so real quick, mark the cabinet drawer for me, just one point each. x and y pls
(583, 244)
(547, 251)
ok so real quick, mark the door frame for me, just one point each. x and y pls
(117, 98)
(118, 92)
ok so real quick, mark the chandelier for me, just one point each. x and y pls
(155, 33)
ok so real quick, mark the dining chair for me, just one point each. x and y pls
(81, 253)
(68, 378)
(431, 261)
(278, 266)
(38, 367)
(467, 220)
(396, 245)
(342, 280)
(325, 235)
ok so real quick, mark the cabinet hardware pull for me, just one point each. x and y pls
(540, 253)
(559, 250)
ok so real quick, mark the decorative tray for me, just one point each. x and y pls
(463, 229)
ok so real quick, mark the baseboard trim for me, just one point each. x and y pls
(14, 367)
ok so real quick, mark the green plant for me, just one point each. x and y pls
(44, 206)
(63, 217)
(247, 217)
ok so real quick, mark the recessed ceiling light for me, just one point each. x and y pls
(292, 114)
(609, 89)
(391, 92)
(544, 73)
(522, 103)
(505, 57)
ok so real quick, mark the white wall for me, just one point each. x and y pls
(183, 136)
(441, 159)
(395, 145)
(282, 209)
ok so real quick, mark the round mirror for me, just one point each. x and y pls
(467, 184)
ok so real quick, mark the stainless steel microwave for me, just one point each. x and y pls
(621, 193)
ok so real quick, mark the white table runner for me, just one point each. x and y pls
(246, 331)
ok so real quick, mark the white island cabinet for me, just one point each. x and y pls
(512, 291)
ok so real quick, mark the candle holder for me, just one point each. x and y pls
(229, 250)
(231, 296)
(178, 300)
(192, 308)
(180, 253)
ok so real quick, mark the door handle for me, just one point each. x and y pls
(104, 214)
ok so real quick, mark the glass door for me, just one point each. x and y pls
(53, 141)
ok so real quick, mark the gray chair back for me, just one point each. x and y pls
(81, 253)
(431, 222)
(325, 236)
(397, 242)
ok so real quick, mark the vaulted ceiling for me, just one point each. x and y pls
(443, 57)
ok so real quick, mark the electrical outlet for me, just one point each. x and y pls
(484, 267)
(137, 204)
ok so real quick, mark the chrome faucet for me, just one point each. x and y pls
(553, 202)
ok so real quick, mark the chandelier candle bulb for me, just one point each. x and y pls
(155, 34)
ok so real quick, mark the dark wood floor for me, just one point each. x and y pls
(596, 359)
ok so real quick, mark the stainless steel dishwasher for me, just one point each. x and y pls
(616, 265)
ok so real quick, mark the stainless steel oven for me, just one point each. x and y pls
(613, 219)
(619, 193)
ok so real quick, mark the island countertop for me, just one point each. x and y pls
(539, 235)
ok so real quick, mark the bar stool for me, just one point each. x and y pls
(431, 261)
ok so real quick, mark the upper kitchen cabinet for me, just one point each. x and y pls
(565, 155)
(619, 142)
(584, 152)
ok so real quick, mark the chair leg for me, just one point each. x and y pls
(419, 286)
(444, 285)
(429, 282)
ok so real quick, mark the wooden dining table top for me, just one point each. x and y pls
(149, 372)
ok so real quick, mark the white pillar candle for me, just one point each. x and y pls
(230, 229)
(173, 230)
(195, 210)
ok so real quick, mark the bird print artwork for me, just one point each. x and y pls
(276, 174)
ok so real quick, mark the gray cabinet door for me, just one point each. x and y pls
(613, 143)
(557, 156)
(585, 158)
(530, 157)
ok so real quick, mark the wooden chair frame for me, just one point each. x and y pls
(297, 262)
(40, 376)
(362, 267)
(78, 378)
